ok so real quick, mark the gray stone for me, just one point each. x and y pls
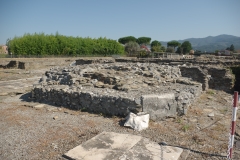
(157, 105)
(3, 94)
(55, 117)
(115, 146)
(39, 106)
(211, 115)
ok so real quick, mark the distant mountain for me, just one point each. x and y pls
(210, 43)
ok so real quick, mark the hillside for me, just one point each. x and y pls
(210, 43)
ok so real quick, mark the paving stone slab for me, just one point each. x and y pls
(116, 146)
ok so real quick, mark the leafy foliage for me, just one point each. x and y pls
(163, 49)
(186, 47)
(144, 40)
(170, 50)
(173, 44)
(41, 44)
(155, 43)
(127, 39)
(132, 47)
(231, 48)
(156, 46)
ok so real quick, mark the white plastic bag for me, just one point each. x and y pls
(137, 122)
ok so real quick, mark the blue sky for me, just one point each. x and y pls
(158, 19)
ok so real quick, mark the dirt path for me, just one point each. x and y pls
(48, 132)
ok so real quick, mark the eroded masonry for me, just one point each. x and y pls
(117, 88)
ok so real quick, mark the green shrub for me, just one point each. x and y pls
(41, 44)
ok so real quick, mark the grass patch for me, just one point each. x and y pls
(211, 92)
(178, 120)
(185, 127)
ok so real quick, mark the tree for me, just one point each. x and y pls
(8, 45)
(155, 43)
(232, 48)
(127, 39)
(173, 44)
(132, 47)
(170, 50)
(163, 49)
(155, 46)
(186, 46)
(179, 50)
(143, 40)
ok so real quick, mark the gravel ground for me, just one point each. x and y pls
(49, 132)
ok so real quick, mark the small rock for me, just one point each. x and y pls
(193, 120)
(207, 110)
(54, 146)
(39, 106)
(210, 97)
(163, 143)
(211, 115)
(3, 94)
(238, 144)
(55, 117)
(182, 134)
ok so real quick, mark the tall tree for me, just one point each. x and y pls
(144, 40)
(132, 47)
(8, 45)
(173, 44)
(232, 48)
(155, 46)
(155, 43)
(186, 47)
(179, 50)
(127, 39)
(170, 50)
(163, 49)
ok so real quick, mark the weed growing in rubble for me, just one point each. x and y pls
(178, 120)
(185, 128)
(211, 92)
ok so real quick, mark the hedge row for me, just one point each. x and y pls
(41, 44)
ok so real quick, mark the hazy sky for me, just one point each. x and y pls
(158, 19)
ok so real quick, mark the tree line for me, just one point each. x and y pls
(43, 44)
(133, 44)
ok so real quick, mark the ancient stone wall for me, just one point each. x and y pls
(196, 74)
(210, 76)
(221, 79)
(85, 100)
(92, 61)
(117, 89)
(11, 64)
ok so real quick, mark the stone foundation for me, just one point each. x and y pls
(117, 89)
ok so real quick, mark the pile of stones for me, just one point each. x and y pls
(119, 88)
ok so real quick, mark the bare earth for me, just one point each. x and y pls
(27, 132)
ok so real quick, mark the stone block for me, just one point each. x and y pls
(158, 106)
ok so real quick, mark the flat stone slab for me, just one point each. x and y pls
(116, 146)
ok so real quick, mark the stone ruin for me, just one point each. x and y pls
(119, 88)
